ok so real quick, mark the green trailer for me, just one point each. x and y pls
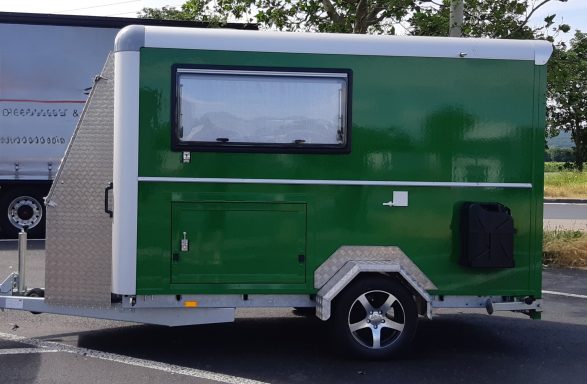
(373, 178)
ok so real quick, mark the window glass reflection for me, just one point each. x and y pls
(260, 108)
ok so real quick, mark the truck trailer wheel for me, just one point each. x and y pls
(35, 292)
(22, 207)
(375, 318)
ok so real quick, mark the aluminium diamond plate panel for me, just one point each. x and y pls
(351, 269)
(369, 254)
(79, 232)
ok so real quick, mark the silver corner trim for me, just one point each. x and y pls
(130, 38)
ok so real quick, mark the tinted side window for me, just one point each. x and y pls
(220, 108)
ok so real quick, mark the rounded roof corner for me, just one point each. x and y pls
(542, 52)
(130, 38)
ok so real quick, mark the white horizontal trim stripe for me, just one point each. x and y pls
(346, 44)
(333, 182)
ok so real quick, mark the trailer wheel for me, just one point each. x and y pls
(36, 292)
(375, 318)
(22, 207)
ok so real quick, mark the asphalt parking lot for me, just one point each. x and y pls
(277, 346)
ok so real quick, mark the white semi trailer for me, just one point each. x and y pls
(47, 66)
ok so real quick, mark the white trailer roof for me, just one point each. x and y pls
(134, 37)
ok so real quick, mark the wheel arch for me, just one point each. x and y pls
(350, 263)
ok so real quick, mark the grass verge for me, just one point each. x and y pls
(565, 248)
(569, 184)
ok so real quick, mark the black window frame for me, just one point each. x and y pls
(178, 145)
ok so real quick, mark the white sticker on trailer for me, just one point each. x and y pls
(14, 303)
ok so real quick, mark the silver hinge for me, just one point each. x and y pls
(187, 157)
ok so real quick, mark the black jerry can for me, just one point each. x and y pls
(487, 236)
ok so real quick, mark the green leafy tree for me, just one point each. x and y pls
(497, 18)
(567, 94)
(505, 19)
(346, 16)
(564, 155)
(191, 10)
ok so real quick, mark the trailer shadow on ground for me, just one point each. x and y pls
(452, 348)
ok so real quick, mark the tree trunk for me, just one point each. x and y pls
(457, 11)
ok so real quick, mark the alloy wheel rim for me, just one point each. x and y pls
(376, 319)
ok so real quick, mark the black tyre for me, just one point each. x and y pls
(374, 318)
(22, 206)
(36, 292)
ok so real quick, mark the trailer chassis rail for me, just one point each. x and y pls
(160, 316)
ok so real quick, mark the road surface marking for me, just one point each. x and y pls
(565, 203)
(565, 294)
(22, 351)
(169, 368)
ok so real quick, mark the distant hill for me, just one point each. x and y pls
(563, 140)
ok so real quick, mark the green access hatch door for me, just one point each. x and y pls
(218, 242)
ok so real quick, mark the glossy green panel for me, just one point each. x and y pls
(238, 243)
(413, 119)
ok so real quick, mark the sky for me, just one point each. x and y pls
(573, 12)
(114, 8)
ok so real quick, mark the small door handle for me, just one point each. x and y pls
(106, 207)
